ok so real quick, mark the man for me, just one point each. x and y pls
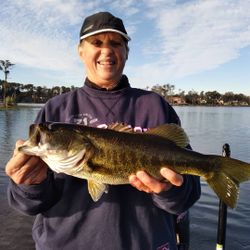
(125, 217)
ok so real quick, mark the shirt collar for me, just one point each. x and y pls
(123, 83)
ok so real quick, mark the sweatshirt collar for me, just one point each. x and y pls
(123, 83)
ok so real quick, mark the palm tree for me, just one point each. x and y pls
(5, 66)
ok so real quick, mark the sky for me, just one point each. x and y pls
(195, 45)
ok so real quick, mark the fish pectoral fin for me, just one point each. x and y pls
(172, 132)
(96, 189)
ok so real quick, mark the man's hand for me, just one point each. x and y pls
(144, 182)
(25, 169)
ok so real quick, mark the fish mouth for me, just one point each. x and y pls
(30, 149)
(38, 133)
(34, 146)
(35, 133)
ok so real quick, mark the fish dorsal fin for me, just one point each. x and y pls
(120, 127)
(172, 132)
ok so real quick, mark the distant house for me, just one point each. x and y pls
(202, 101)
(176, 100)
(220, 102)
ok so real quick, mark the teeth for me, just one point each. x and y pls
(106, 62)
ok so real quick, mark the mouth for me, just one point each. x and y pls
(29, 149)
(106, 62)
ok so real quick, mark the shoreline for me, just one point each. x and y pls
(23, 104)
(32, 105)
(40, 105)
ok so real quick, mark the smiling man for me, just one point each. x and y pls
(129, 217)
(103, 49)
(104, 56)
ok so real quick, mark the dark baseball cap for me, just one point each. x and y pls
(102, 22)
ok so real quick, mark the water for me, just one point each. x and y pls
(15, 230)
(208, 129)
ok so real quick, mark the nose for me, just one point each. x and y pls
(107, 48)
(106, 51)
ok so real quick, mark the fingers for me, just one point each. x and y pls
(25, 169)
(30, 172)
(16, 163)
(35, 174)
(171, 176)
(144, 182)
(18, 144)
(137, 183)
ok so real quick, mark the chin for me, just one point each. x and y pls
(111, 79)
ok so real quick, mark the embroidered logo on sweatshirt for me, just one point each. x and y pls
(164, 247)
(85, 119)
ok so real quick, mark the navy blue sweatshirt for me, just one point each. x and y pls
(124, 218)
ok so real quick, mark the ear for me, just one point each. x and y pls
(80, 50)
(127, 54)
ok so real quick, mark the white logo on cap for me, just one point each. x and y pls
(88, 28)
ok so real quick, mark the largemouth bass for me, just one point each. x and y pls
(110, 156)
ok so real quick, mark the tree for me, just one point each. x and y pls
(5, 66)
(228, 97)
(212, 97)
(165, 90)
(192, 97)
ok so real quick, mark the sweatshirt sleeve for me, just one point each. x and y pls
(179, 199)
(33, 199)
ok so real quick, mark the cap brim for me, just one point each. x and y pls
(105, 30)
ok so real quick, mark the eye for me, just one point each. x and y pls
(116, 43)
(96, 43)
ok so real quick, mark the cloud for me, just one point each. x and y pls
(130, 7)
(44, 34)
(39, 34)
(196, 36)
(37, 50)
(51, 12)
(170, 39)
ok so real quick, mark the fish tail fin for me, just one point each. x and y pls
(226, 179)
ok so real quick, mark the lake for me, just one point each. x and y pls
(209, 128)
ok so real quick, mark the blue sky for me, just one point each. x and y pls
(194, 45)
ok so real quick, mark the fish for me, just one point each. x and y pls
(109, 156)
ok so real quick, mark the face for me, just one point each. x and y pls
(104, 56)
